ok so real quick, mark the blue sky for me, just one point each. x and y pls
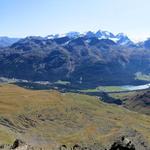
(21, 18)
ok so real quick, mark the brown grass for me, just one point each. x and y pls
(52, 118)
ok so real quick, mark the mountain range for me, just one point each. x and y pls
(7, 41)
(84, 60)
(120, 38)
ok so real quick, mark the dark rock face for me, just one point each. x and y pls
(123, 144)
(16, 144)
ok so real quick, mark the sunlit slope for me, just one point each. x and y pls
(50, 118)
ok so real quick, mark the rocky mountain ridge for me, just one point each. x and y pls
(90, 59)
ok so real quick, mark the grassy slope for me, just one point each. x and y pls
(105, 89)
(137, 100)
(52, 118)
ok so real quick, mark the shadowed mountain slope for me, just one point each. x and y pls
(90, 61)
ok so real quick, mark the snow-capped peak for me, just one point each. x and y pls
(69, 34)
(104, 34)
(73, 34)
(120, 38)
(123, 39)
(119, 35)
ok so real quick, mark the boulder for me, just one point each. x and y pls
(123, 144)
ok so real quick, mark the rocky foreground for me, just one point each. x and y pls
(122, 143)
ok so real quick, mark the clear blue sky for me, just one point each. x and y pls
(21, 18)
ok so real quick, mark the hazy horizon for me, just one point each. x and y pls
(42, 18)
